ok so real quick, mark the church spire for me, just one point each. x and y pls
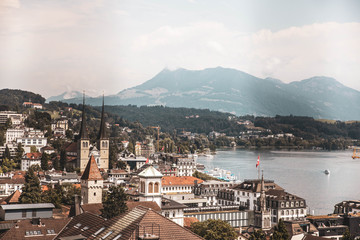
(102, 132)
(83, 130)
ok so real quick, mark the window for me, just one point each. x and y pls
(23, 213)
(95, 181)
(167, 214)
(301, 203)
(94, 193)
(151, 187)
(34, 213)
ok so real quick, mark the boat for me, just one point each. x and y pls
(327, 172)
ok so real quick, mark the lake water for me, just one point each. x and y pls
(298, 172)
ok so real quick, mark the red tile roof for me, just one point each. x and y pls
(185, 180)
(91, 171)
(93, 208)
(71, 147)
(35, 155)
(25, 229)
(151, 205)
(189, 220)
(13, 198)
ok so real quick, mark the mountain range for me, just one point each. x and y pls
(237, 92)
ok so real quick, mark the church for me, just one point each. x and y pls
(85, 150)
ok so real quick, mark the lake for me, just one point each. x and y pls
(298, 172)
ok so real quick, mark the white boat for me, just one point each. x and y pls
(327, 172)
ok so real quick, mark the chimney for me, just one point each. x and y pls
(77, 205)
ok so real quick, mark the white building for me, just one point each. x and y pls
(209, 189)
(150, 185)
(29, 160)
(9, 186)
(12, 134)
(16, 118)
(186, 166)
(27, 142)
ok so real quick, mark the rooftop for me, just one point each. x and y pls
(179, 181)
(91, 171)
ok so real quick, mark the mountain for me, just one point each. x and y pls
(16, 97)
(237, 92)
(65, 95)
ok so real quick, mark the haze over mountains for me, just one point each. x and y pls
(240, 93)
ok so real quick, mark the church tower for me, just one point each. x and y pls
(83, 142)
(262, 214)
(103, 142)
(150, 185)
(91, 183)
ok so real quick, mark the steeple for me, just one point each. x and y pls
(262, 195)
(92, 171)
(102, 132)
(91, 183)
(83, 130)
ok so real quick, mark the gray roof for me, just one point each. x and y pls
(27, 206)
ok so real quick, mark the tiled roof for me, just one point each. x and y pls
(13, 198)
(150, 172)
(35, 155)
(71, 147)
(84, 224)
(47, 148)
(91, 171)
(189, 220)
(151, 205)
(130, 225)
(171, 204)
(13, 181)
(26, 229)
(168, 230)
(255, 185)
(179, 181)
(281, 195)
(93, 208)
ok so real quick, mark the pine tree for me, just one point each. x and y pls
(280, 232)
(31, 192)
(52, 196)
(44, 161)
(114, 202)
(7, 153)
(19, 153)
(62, 159)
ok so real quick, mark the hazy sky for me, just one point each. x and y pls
(49, 47)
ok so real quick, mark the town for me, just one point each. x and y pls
(65, 178)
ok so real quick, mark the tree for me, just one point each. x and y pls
(214, 229)
(258, 235)
(7, 165)
(52, 196)
(62, 159)
(113, 152)
(114, 202)
(19, 153)
(68, 191)
(7, 153)
(347, 235)
(33, 149)
(31, 192)
(280, 232)
(44, 161)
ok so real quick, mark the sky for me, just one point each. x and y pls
(50, 47)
